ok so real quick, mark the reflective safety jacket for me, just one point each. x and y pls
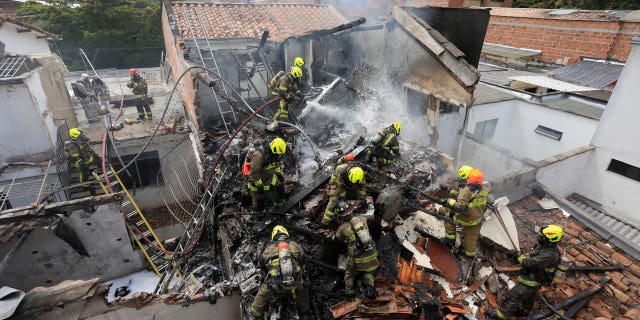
(474, 203)
(80, 151)
(285, 86)
(139, 87)
(265, 169)
(272, 260)
(365, 258)
(540, 267)
(342, 187)
(386, 138)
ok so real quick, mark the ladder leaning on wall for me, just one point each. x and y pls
(140, 229)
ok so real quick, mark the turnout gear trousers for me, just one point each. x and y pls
(536, 270)
(475, 204)
(360, 261)
(341, 188)
(287, 88)
(274, 288)
(140, 89)
(265, 179)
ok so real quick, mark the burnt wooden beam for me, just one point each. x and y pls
(43, 211)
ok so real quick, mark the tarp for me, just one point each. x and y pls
(10, 298)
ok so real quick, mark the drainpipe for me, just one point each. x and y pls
(464, 134)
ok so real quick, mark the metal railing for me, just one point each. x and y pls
(181, 175)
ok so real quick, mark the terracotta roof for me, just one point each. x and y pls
(226, 21)
(7, 18)
(584, 247)
(558, 14)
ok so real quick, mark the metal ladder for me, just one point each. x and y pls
(194, 228)
(226, 110)
(140, 229)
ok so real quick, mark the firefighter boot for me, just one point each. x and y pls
(370, 291)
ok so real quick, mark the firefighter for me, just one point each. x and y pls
(537, 270)
(283, 260)
(286, 86)
(461, 182)
(346, 183)
(384, 144)
(139, 86)
(298, 62)
(362, 255)
(472, 199)
(81, 154)
(265, 175)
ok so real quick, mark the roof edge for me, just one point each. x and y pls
(465, 73)
(16, 21)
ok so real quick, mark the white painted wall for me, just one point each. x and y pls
(517, 121)
(564, 176)
(24, 43)
(617, 137)
(23, 130)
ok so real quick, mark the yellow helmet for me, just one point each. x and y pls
(356, 175)
(298, 62)
(278, 230)
(398, 127)
(552, 232)
(463, 172)
(74, 133)
(296, 72)
(278, 146)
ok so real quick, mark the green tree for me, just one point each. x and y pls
(116, 33)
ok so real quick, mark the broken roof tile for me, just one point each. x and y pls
(583, 246)
(241, 20)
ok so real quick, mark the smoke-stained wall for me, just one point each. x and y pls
(388, 63)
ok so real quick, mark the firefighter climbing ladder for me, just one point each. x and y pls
(194, 229)
(192, 17)
(140, 229)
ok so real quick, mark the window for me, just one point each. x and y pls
(143, 173)
(485, 129)
(548, 132)
(446, 107)
(624, 169)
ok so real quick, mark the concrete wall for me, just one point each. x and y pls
(151, 196)
(52, 70)
(45, 259)
(517, 121)
(564, 41)
(23, 43)
(564, 176)
(617, 138)
(26, 126)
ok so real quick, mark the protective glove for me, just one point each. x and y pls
(341, 207)
(451, 202)
(444, 187)
(513, 255)
(363, 203)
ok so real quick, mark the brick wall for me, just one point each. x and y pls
(188, 85)
(564, 41)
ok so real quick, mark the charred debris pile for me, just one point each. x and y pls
(419, 277)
